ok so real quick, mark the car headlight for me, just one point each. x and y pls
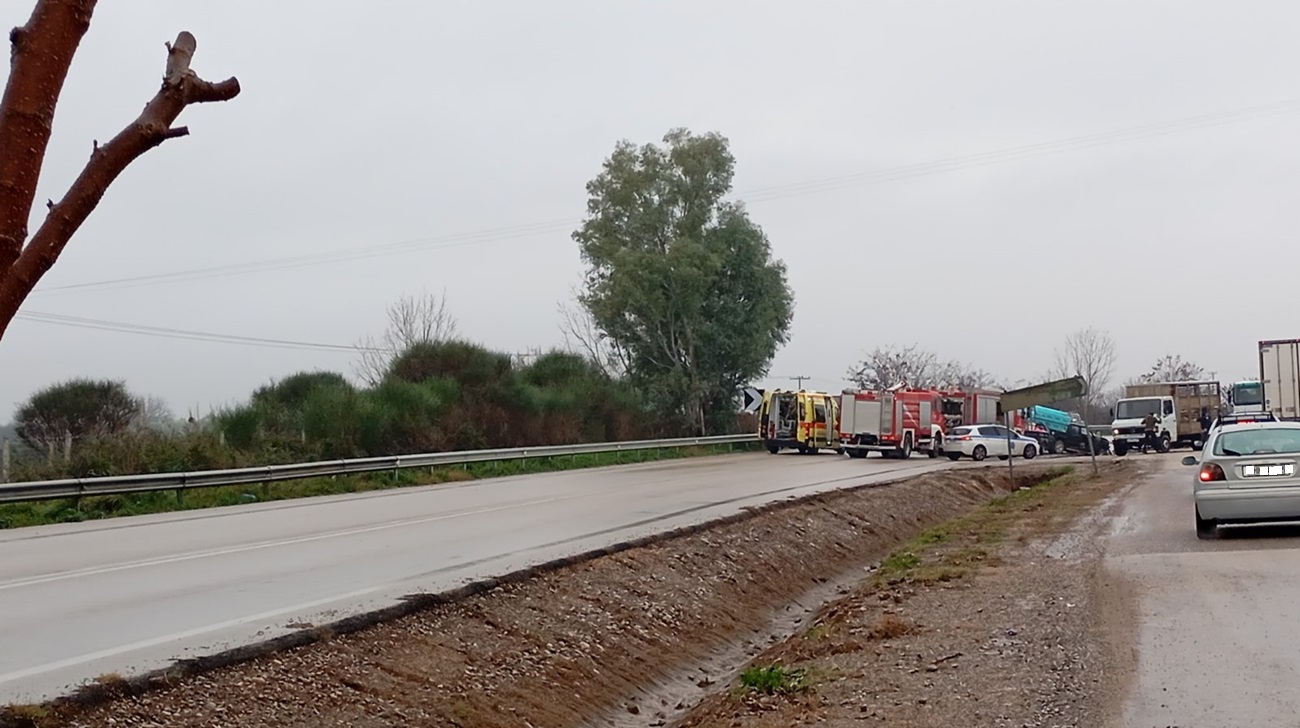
(1114, 432)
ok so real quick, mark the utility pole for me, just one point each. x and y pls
(800, 380)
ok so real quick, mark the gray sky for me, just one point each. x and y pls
(471, 127)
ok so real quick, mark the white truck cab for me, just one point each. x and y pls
(1246, 397)
(1127, 430)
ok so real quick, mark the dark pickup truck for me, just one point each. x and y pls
(1072, 440)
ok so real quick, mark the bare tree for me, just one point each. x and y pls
(911, 366)
(412, 319)
(582, 336)
(1087, 353)
(1173, 368)
(154, 415)
(41, 53)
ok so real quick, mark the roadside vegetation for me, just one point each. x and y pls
(637, 364)
(954, 549)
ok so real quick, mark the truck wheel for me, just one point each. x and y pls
(856, 453)
(773, 449)
(1058, 447)
(906, 452)
(1164, 444)
(1121, 448)
(954, 456)
(935, 449)
(979, 453)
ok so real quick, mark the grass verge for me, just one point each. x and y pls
(952, 550)
(39, 513)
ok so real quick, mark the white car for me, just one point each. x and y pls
(980, 441)
(1247, 473)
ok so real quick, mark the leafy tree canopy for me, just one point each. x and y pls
(81, 407)
(680, 279)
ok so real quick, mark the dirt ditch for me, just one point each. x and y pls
(630, 638)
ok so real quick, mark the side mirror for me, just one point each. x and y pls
(1189, 460)
(1112, 413)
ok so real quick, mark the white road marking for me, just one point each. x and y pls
(96, 570)
(164, 639)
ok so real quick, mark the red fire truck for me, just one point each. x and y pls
(892, 422)
(971, 407)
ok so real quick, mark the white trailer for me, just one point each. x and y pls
(1279, 370)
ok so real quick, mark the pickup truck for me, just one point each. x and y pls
(1070, 439)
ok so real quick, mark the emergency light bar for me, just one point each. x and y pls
(1243, 419)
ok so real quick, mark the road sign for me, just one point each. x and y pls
(753, 398)
(1046, 393)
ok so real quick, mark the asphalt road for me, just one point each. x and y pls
(1216, 625)
(133, 594)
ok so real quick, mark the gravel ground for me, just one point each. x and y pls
(1002, 623)
(610, 637)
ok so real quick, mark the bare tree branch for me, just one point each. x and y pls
(583, 337)
(1173, 368)
(181, 87)
(412, 319)
(910, 366)
(1088, 353)
(41, 53)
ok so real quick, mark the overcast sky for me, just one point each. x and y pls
(467, 130)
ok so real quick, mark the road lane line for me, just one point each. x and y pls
(160, 561)
(155, 641)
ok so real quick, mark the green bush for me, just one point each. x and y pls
(435, 397)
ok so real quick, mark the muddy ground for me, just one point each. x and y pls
(996, 619)
(977, 627)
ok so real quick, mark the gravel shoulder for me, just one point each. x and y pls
(1002, 617)
(634, 638)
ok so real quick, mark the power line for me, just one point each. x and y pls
(186, 334)
(889, 174)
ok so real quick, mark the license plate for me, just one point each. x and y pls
(1264, 471)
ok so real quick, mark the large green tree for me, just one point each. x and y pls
(79, 407)
(680, 278)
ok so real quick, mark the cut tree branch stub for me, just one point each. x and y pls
(180, 88)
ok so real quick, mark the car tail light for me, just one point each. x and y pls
(1210, 472)
(962, 437)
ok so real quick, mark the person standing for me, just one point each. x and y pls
(1149, 424)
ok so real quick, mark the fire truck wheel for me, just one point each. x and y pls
(979, 453)
(906, 452)
(773, 449)
(954, 456)
(933, 452)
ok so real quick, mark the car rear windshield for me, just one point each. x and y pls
(962, 431)
(1263, 441)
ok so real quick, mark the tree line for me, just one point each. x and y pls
(1089, 353)
(682, 305)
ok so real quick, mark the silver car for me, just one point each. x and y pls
(1247, 474)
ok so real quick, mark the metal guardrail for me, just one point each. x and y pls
(78, 487)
